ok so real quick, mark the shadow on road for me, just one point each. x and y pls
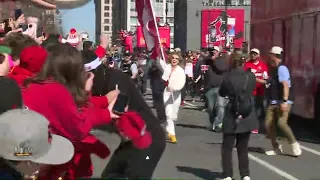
(191, 126)
(199, 172)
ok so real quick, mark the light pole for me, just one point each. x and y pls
(226, 20)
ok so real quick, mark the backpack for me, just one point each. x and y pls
(241, 103)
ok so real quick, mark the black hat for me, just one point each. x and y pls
(17, 13)
(127, 53)
(10, 95)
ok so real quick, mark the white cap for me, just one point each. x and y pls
(25, 136)
(177, 49)
(276, 50)
(216, 48)
(255, 50)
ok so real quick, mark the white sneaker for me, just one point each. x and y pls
(246, 178)
(227, 178)
(275, 151)
(296, 150)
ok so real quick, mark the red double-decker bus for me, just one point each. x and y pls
(295, 26)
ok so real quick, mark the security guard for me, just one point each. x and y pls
(128, 66)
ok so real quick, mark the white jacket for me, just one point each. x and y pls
(172, 100)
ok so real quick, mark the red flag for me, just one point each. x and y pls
(147, 20)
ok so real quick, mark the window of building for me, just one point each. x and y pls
(159, 1)
(106, 8)
(106, 21)
(170, 19)
(107, 1)
(133, 21)
(106, 28)
(106, 14)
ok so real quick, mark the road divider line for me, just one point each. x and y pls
(310, 150)
(272, 168)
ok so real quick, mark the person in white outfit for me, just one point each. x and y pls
(175, 79)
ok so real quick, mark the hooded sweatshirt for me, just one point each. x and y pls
(31, 61)
(214, 75)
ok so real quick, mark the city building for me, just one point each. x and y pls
(105, 8)
(164, 9)
(187, 20)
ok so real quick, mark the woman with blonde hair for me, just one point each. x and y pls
(175, 78)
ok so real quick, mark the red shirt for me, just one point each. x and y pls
(260, 70)
(55, 102)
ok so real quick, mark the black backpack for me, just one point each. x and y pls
(241, 102)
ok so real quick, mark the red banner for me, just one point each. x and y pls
(164, 37)
(214, 27)
(128, 43)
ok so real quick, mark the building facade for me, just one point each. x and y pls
(164, 9)
(187, 20)
(106, 17)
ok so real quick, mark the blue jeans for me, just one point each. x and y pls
(216, 106)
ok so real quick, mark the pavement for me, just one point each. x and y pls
(197, 155)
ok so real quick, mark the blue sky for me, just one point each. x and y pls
(82, 19)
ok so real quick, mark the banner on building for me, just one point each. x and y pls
(164, 37)
(214, 28)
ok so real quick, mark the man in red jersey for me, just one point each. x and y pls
(260, 70)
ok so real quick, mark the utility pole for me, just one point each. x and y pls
(226, 20)
(164, 7)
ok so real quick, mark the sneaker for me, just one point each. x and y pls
(296, 150)
(227, 178)
(246, 178)
(275, 151)
(256, 131)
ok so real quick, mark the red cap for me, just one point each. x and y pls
(133, 127)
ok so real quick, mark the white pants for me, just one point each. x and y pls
(172, 103)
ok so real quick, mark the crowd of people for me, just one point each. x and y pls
(52, 98)
(55, 90)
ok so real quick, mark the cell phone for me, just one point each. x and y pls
(121, 103)
(24, 27)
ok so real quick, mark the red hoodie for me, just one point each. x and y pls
(31, 61)
(55, 102)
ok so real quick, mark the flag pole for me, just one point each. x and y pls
(158, 34)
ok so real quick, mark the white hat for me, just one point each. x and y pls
(25, 136)
(255, 50)
(177, 49)
(216, 48)
(276, 50)
(73, 38)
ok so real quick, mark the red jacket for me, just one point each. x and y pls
(55, 102)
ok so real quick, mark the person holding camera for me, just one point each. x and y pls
(213, 77)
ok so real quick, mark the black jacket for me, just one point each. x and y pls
(106, 79)
(214, 75)
(233, 83)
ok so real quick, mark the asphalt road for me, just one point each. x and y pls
(197, 154)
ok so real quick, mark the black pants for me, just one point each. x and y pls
(242, 140)
(127, 162)
(157, 88)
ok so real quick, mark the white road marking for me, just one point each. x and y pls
(272, 168)
(310, 150)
